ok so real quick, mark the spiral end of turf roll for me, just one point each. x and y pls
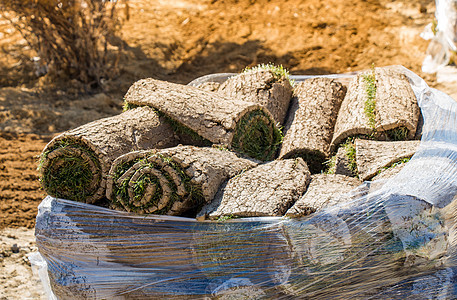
(257, 136)
(150, 183)
(71, 170)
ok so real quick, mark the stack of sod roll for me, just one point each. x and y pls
(255, 145)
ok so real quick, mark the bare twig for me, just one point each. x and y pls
(71, 36)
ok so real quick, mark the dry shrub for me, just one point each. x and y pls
(71, 37)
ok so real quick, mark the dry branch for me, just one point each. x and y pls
(71, 36)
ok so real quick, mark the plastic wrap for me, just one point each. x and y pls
(395, 240)
(443, 37)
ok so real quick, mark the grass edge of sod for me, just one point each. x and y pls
(193, 192)
(279, 72)
(65, 184)
(269, 135)
(370, 102)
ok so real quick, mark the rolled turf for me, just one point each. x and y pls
(242, 126)
(324, 190)
(265, 85)
(379, 103)
(373, 156)
(173, 181)
(266, 190)
(75, 164)
(311, 119)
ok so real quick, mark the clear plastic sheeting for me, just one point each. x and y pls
(395, 240)
(443, 38)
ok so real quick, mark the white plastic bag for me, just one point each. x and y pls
(444, 40)
(40, 269)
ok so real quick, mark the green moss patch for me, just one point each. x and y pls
(257, 136)
(73, 172)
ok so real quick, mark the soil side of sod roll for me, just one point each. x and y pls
(379, 103)
(242, 126)
(396, 105)
(173, 181)
(352, 119)
(373, 156)
(324, 190)
(75, 164)
(262, 87)
(266, 190)
(311, 120)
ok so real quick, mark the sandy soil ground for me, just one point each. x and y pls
(17, 280)
(179, 41)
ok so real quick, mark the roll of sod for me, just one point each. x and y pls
(379, 103)
(390, 172)
(243, 126)
(385, 174)
(345, 163)
(173, 181)
(311, 120)
(271, 90)
(209, 86)
(324, 190)
(267, 190)
(373, 156)
(75, 164)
